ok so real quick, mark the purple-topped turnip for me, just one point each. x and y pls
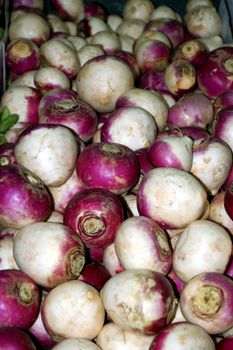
(20, 299)
(50, 253)
(152, 54)
(108, 165)
(151, 101)
(180, 77)
(38, 331)
(96, 9)
(95, 274)
(172, 150)
(73, 11)
(218, 212)
(214, 76)
(113, 337)
(63, 106)
(222, 101)
(110, 260)
(13, 338)
(225, 344)
(25, 197)
(62, 194)
(182, 335)
(133, 127)
(24, 101)
(148, 307)
(58, 54)
(94, 214)
(223, 126)
(192, 109)
(192, 50)
(207, 301)
(47, 78)
(48, 150)
(155, 251)
(170, 27)
(22, 55)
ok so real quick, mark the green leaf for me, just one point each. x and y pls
(4, 113)
(2, 139)
(8, 122)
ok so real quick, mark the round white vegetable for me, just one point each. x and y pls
(133, 127)
(26, 79)
(203, 21)
(58, 54)
(212, 161)
(171, 197)
(152, 35)
(152, 101)
(73, 309)
(183, 336)
(72, 10)
(149, 305)
(218, 214)
(127, 43)
(163, 11)
(102, 80)
(55, 217)
(204, 246)
(50, 253)
(47, 78)
(76, 344)
(24, 101)
(111, 261)
(113, 337)
(57, 24)
(49, 151)
(30, 26)
(131, 27)
(141, 243)
(191, 4)
(114, 21)
(77, 41)
(108, 40)
(7, 260)
(89, 51)
(140, 9)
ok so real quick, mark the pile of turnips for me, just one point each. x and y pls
(116, 170)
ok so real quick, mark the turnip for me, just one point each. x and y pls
(102, 80)
(164, 191)
(141, 243)
(147, 308)
(208, 296)
(73, 309)
(113, 337)
(203, 246)
(50, 151)
(50, 253)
